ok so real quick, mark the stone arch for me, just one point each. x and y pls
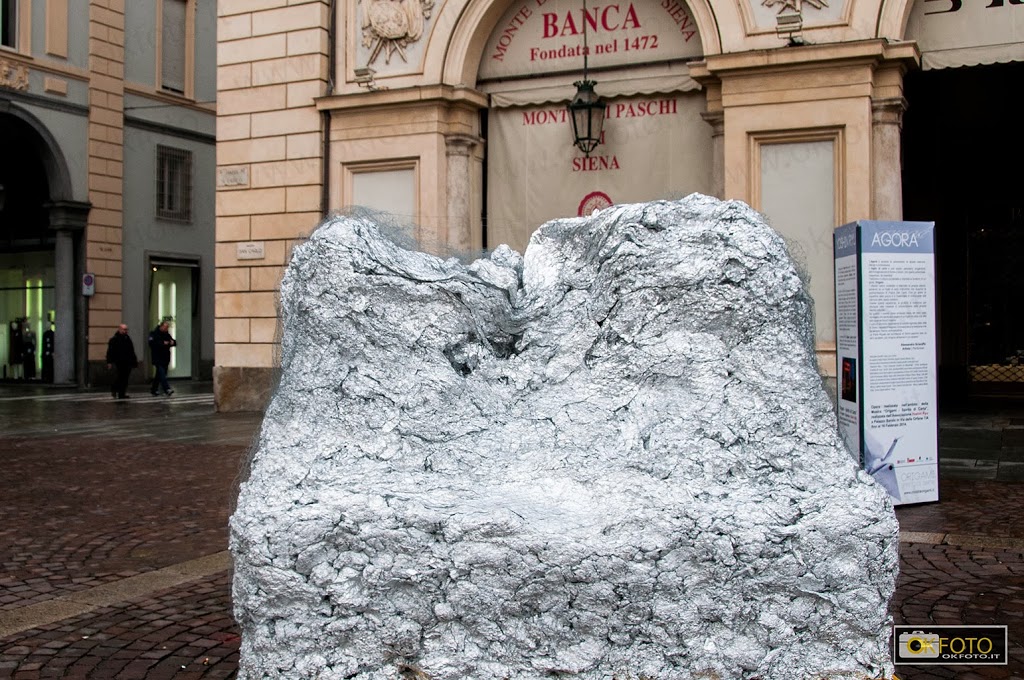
(893, 17)
(48, 150)
(52, 210)
(474, 25)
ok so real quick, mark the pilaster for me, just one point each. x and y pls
(887, 171)
(273, 63)
(105, 169)
(716, 119)
(459, 151)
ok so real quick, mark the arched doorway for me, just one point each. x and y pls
(962, 150)
(27, 276)
(39, 238)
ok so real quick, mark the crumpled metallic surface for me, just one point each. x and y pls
(611, 458)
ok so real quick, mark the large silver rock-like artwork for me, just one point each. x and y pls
(610, 458)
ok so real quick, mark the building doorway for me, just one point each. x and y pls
(173, 297)
(962, 145)
(27, 309)
(27, 277)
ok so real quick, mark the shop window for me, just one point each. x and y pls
(9, 23)
(175, 40)
(173, 184)
(387, 186)
(173, 298)
(797, 183)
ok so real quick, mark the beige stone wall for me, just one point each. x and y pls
(105, 164)
(844, 84)
(271, 66)
(844, 93)
(411, 126)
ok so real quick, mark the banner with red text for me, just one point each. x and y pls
(655, 146)
(544, 36)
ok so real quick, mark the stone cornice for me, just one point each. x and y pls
(45, 65)
(806, 56)
(461, 144)
(430, 94)
(170, 99)
(68, 215)
(888, 111)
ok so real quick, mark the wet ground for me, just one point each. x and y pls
(113, 540)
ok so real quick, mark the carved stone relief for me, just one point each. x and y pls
(13, 76)
(763, 13)
(390, 28)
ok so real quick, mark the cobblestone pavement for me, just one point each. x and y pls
(113, 536)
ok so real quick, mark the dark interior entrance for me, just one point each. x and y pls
(962, 148)
(27, 276)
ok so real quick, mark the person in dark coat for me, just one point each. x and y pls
(28, 349)
(160, 344)
(121, 356)
(48, 344)
(17, 351)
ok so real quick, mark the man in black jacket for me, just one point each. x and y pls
(160, 344)
(121, 355)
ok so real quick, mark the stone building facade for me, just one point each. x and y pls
(107, 182)
(450, 116)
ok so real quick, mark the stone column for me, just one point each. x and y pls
(67, 218)
(886, 171)
(716, 119)
(64, 333)
(459, 149)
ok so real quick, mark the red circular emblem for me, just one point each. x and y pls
(595, 200)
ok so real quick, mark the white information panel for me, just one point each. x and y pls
(885, 350)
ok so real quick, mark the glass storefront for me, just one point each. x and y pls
(171, 299)
(27, 310)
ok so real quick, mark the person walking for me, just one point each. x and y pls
(28, 348)
(121, 356)
(160, 344)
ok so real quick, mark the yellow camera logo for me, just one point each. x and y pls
(983, 645)
(918, 643)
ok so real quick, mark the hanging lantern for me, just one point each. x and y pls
(586, 110)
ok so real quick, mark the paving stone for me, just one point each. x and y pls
(100, 494)
(1010, 471)
(974, 438)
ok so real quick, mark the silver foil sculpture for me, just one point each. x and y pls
(610, 458)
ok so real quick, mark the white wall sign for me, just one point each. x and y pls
(233, 176)
(885, 333)
(250, 250)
